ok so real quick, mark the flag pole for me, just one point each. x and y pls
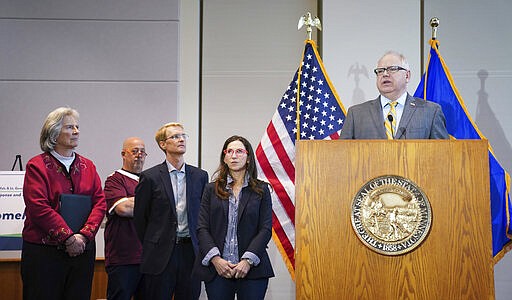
(434, 22)
(309, 22)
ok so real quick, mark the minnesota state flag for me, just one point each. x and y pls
(437, 85)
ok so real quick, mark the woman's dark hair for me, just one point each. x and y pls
(221, 174)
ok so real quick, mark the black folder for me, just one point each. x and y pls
(75, 210)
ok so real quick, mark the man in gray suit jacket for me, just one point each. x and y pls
(414, 118)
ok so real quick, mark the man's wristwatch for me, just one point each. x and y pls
(251, 263)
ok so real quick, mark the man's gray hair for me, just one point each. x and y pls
(403, 60)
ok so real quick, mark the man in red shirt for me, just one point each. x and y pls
(122, 246)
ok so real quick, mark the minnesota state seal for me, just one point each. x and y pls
(391, 215)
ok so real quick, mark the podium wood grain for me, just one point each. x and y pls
(453, 262)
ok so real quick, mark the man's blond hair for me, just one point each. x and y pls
(161, 133)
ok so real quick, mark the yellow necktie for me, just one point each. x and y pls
(390, 122)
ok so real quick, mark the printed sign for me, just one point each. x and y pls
(12, 209)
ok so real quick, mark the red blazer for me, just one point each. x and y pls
(45, 180)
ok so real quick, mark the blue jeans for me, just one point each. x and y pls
(222, 288)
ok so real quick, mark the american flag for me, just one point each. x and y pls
(311, 96)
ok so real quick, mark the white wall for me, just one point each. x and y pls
(357, 33)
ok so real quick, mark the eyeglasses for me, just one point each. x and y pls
(238, 151)
(177, 136)
(390, 69)
(136, 151)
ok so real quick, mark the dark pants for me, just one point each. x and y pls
(176, 279)
(50, 273)
(124, 281)
(222, 288)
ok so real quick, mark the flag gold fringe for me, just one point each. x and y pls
(286, 260)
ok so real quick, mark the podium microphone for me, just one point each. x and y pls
(402, 130)
(390, 119)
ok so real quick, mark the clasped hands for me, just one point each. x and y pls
(229, 270)
(75, 244)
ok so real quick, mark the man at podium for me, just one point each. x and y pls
(395, 114)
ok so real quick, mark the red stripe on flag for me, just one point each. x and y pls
(281, 152)
(334, 136)
(283, 239)
(279, 189)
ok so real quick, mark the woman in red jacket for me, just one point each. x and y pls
(57, 262)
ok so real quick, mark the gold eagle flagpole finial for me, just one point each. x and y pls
(434, 22)
(309, 22)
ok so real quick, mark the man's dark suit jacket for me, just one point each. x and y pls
(254, 229)
(155, 213)
(420, 120)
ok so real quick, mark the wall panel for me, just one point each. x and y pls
(64, 50)
(91, 9)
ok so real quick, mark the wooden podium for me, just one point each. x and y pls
(453, 262)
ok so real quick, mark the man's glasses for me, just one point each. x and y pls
(238, 152)
(136, 151)
(390, 70)
(177, 136)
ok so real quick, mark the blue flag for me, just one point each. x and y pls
(437, 85)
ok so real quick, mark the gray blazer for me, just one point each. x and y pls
(420, 120)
